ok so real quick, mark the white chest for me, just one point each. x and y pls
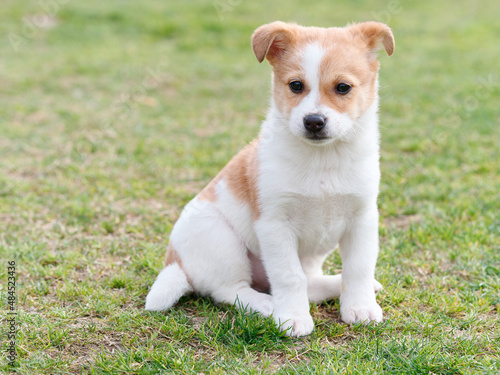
(319, 222)
(317, 204)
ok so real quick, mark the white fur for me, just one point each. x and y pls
(312, 198)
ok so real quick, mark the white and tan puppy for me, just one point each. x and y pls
(307, 184)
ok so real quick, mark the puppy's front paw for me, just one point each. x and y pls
(365, 313)
(295, 326)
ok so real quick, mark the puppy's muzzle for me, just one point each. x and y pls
(314, 123)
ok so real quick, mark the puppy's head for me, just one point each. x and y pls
(324, 79)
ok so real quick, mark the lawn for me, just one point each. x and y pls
(115, 114)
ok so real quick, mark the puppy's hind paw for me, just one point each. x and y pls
(264, 305)
(377, 286)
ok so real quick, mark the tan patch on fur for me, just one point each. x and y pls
(241, 175)
(208, 193)
(347, 65)
(350, 57)
(172, 256)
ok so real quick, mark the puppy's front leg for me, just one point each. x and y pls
(359, 250)
(287, 279)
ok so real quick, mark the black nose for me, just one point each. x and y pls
(314, 123)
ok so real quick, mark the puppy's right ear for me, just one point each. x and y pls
(271, 40)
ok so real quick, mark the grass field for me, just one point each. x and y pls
(115, 114)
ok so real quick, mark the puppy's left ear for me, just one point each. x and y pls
(373, 33)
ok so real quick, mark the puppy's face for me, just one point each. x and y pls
(324, 79)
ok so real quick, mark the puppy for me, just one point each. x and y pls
(308, 183)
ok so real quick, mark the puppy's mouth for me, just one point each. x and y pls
(316, 137)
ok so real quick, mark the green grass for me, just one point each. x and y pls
(116, 113)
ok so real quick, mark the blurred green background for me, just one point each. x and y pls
(114, 114)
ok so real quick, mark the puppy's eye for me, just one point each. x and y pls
(342, 88)
(296, 86)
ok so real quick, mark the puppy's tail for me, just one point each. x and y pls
(170, 285)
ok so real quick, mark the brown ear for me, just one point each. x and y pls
(271, 40)
(372, 33)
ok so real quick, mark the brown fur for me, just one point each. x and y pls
(240, 175)
(172, 256)
(208, 193)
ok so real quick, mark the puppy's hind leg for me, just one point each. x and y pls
(324, 287)
(320, 287)
(218, 264)
(243, 297)
(234, 287)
